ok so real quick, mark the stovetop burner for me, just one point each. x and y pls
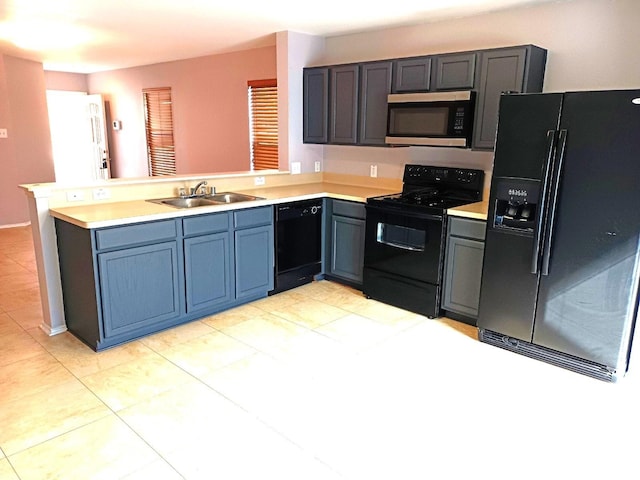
(435, 189)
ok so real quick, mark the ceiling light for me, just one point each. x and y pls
(44, 35)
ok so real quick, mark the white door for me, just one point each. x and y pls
(99, 145)
(78, 137)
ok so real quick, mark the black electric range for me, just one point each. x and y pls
(405, 236)
(434, 189)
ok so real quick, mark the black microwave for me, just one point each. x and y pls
(441, 119)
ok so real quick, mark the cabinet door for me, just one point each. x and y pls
(208, 272)
(412, 75)
(140, 287)
(315, 105)
(343, 124)
(375, 83)
(463, 274)
(347, 248)
(500, 71)
(455, 71)
(254, 261)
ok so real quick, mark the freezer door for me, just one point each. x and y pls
(508, 290)
(588, 300)
(521, 143)
(523, 148)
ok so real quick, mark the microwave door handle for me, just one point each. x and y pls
(546, 254)
(548, 169)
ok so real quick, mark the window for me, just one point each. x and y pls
(263, 124)
(158, 122)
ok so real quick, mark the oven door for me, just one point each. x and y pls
(403, 259)
(404, 244)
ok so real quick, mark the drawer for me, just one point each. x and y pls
(136, 234)
(252, 217)
(462, 227)
(213, 223)
(348, 209)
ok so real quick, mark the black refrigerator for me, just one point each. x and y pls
(562, 254)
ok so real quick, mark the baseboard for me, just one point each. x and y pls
(52, 331)
(14, 225)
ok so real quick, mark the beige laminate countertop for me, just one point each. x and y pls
(101, 215)
(477, 210)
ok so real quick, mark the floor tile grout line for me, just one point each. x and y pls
(250, 413)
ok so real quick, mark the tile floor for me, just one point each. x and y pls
(314, 383)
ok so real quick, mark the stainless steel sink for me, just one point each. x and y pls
(231, 197)
(205, 201)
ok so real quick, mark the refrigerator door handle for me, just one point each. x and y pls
(537, 240)
(546, 254)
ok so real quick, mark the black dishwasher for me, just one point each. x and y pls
(298, 243)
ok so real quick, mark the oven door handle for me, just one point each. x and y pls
(400, 246)
(405, 213)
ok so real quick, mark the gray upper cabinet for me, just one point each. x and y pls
(412, 75)
(343, 114)
(515, 70)
(316, 105)
(375, 85)
(347, 104)
(455, 72)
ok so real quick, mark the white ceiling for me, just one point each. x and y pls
(93, 35)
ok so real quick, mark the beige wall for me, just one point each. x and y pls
(592, 44)
(210, 110)
(67, 81)
(25, 156)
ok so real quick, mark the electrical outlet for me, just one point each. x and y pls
(258, 180)
(3, 133)
(75, 196)
(101, 194)
(295, 168)
(374, 171)
(317, 166)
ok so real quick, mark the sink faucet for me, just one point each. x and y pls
(194, 190)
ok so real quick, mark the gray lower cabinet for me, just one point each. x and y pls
(121, 283)
(208, 272)
(346, 245)
(463, 268)
(139, 287)
(254, 252)
(254, 261)
(208, 261)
